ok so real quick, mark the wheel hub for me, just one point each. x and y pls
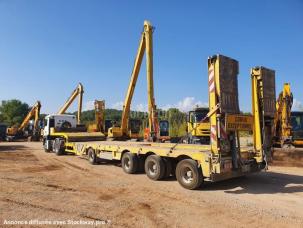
(127, 164)
(187, 175)
(152, 168)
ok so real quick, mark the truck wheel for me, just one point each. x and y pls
(168, 167)
(59, 146)
(129, 162)
(45, 146)
(92, 158)
(188, 174)
(154, 167)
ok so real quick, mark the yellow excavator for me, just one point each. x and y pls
(33, 134)
(288, 125)
(129, 128)
(77, 92)
(282, 121)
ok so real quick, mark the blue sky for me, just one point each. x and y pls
(47, 47)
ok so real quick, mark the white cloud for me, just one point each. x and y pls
(118, 105)
(297, 105)
(186, 104)
(140, 108)
(89, 105)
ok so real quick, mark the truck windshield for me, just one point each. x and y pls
(199, 116)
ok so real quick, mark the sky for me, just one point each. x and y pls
(47, 47)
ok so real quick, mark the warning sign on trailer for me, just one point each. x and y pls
(239, 122)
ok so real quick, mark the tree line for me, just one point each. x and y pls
(12, 113)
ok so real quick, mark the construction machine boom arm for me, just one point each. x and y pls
(34, 112)
(145, 45)
(77, 92)
(282, 123)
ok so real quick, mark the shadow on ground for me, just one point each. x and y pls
(261, 183)
(12, 148)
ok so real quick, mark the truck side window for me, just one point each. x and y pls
(51, 122)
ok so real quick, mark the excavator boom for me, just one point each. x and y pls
(132, 85)
(145, 46)
(34, 112)
(282, 122)
(77, 92)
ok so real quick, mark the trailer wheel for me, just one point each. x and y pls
(58, 146)
(154, 167)
(92, 158)
(188, 174)
(129, 162)
(168, 167)
(141, 161)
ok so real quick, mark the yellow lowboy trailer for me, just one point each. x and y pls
(192, 164)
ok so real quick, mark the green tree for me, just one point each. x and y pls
(177, 122)
(13, 111)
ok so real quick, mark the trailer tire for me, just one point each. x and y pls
(154, 167)
(168, 167)
(92, 158)
(141, 161)
(129, 162)
(58, 146)
(188, 174)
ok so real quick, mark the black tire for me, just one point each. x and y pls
(188, 174)
(141, 161)
(174, 166)
(58, 147)
(168, 167)
(92, 158)
(154, 167)
(44, 146)
(129, 162)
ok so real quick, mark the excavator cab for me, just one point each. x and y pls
(135, 126)
(164, 127)
(164, 130)
(297, 128)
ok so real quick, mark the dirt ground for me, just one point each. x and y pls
(41, 188)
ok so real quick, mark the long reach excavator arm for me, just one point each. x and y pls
(77, 92)
(34, 112)
(145, 46)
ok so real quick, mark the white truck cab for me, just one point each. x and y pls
(59, 121)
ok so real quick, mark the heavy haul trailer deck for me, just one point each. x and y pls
(170, 153)
(224, 158)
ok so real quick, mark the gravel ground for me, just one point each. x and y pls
(38, 187)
